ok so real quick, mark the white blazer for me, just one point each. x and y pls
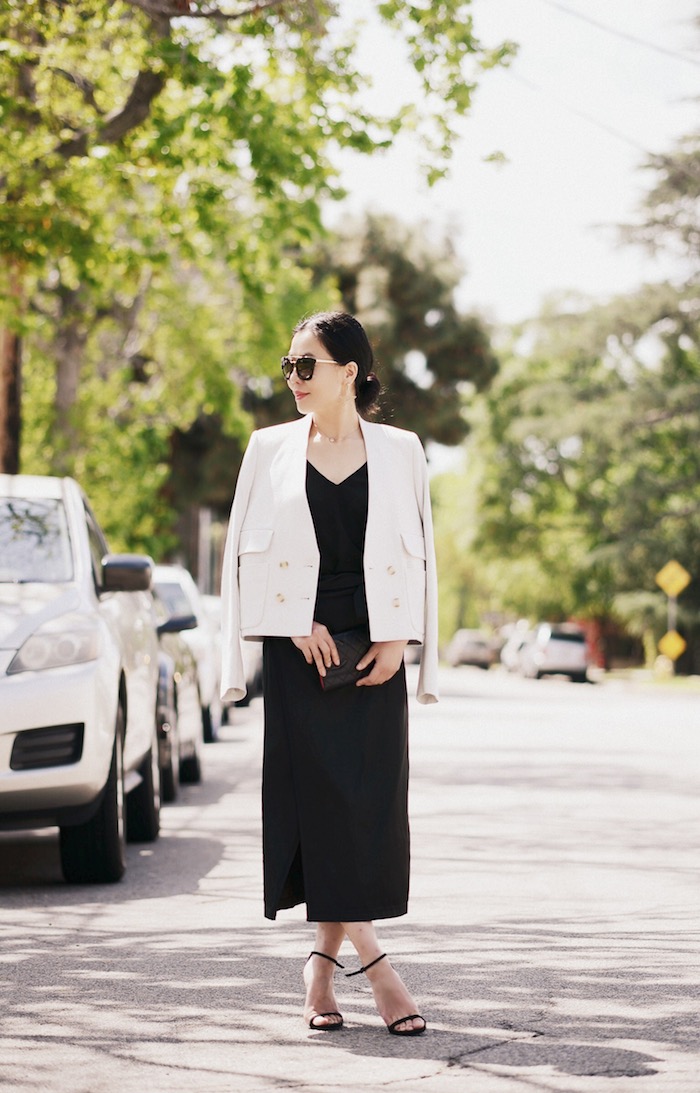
(272, 561)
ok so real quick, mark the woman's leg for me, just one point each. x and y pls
(390, 993)
(318, 976)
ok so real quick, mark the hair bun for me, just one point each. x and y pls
(368, 392)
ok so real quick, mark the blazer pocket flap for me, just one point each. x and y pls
(255, 540)
(413, 545)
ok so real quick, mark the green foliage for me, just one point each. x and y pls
(159, 179)
(589, 461)
(400, 282)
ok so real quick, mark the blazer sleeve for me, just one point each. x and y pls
(428, 674)
(233, 685)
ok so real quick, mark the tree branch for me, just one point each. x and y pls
(86, 88)
(147, 86)
(179, 9)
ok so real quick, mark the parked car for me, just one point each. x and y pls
(556, 649)
(512, 649)
(471, 647)
(176, 589)
(179, 713)
(252, 655)
(78, 680)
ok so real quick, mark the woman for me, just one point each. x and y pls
(330, 533)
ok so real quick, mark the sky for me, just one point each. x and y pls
(575, 116)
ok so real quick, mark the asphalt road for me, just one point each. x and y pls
(552, 939)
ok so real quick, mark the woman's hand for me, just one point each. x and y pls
(318, 648)
(387, 657)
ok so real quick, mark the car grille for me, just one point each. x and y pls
(54, 746)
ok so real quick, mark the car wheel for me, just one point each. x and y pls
(191, 768)
(95, 852)
(143, 803)
(170, 771)
(209, 729)
(578, 677)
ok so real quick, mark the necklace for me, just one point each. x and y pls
(336, 439)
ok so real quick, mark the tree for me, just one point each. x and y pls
(584, 462)
(139, 133)
(400, 280)
(591, 458)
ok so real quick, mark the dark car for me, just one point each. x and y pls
(179, 713)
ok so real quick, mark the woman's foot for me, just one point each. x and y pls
(320, 1007)
(395, 1005)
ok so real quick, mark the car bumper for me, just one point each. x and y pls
(56, 740)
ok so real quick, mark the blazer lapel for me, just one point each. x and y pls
(374, 442)
(288, 474)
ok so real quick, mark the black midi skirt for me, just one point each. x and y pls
(335, 775)
(335, 785)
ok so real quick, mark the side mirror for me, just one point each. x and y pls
(126, 573)
(176, 623)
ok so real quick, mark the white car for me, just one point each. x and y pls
(556, 649)
(512, 649)
(177, 591)
(78, 680)
(252, 656)
(473, 647)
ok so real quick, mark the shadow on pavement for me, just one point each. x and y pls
(514, 994)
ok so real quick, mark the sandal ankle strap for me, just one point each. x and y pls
(366, 968)
(315, 952)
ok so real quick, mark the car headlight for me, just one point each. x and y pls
(69, 639)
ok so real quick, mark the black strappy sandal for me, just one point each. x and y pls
(393, 1027)
(330, 1013)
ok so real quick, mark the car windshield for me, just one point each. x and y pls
(173, 597)
(34, 541)
(568, 635)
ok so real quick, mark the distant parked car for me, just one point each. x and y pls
(176, 589)
(179, 714)
(78, 680)
(512, 650)
(471, 647)
(556, 649)
(252, 655)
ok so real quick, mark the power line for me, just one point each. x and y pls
(579, 113)
(622, 33)
(685, 169)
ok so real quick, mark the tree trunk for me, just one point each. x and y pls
(10, 394)
(68, 350)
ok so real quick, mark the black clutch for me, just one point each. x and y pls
(352, 646)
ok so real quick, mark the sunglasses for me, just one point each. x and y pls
(304, 365)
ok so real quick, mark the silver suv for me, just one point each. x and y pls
(556, 649)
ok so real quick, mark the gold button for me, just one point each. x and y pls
(284, 565)
(397, 603)
(390, 570)
(279, 597)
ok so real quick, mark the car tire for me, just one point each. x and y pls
(95, 852)
(578, 677)
(209, 729)
(143, 803)
(191, 769)
(170, 772)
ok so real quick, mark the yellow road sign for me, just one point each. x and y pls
(673, 578)
(672, 645)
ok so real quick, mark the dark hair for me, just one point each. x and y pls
(345, 339)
